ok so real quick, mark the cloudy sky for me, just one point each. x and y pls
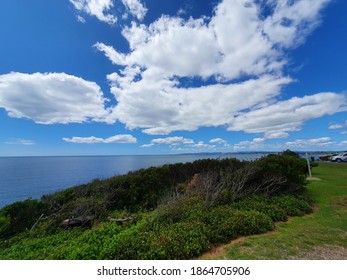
(98, 77)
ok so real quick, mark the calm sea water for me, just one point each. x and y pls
(24, 177)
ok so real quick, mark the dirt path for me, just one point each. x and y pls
(326, 252)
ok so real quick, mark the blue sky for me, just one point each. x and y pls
(108, 77)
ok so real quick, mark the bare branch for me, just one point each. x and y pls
(120, 221)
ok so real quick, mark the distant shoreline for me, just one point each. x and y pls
(181, 154)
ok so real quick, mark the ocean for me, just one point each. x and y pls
(24, 177)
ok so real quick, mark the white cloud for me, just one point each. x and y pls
(20, 142)
(103, 9)
(335, 126)
(219, 141)
(234, 42)
(81, 19)
(159, 107)
(238, 41)
(52, 98)
(338, 125)
(136, 8)
(289, 115)
(202, 145)
(292, 21)
(147, 145)
(298, 144)
(179, 144)
(111, 53)
(276, 134)
(310, 143)
(97, 8)
(255, 144)
(173, 141)
(122, 138)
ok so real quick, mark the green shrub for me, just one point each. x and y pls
(177, 241)
(226, 223)
(292, 205)
(305, 196)
(291, 172)
(262, 204)
(220, 224)
(92, 207)
(121, 246)
(181, 241)
(20, 216)
(186, 208)
(89, 246)
(181, 228)
(251, 222)
(290, 153)
(53, 246)
(56, 200)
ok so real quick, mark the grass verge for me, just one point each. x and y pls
(321, 235)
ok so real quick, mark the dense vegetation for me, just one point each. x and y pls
(320, 236)
(175, 211)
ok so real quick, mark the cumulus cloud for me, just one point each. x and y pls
(310, 143)
(103, 9)
(173, 141)
(237, 40)
(292, 21)
(202, 145)
(111, 53)
(285, 116)
(298, 144)
(255, 144)
(161, 108)
(122, 138)
(97, 8)
(219, 141)
(239, 50)
(335, 126)
(178, 143)
(136, 8)
(51, 98)
(338, 125)
(237, 55)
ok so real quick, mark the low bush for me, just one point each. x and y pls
(220, 223)
(56, 246)
(83, 207)
(214, 202)
(291, 172)
(305, 196)
(226, 223)
(292, 205)
(262, 204)
(182, 240)
(89, 246)
(20, 216)
(251, 222)
(185, 208)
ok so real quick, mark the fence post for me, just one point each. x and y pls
(308, 166)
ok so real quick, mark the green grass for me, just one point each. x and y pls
(326, 227)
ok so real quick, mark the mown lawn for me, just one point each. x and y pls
(321, 235)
